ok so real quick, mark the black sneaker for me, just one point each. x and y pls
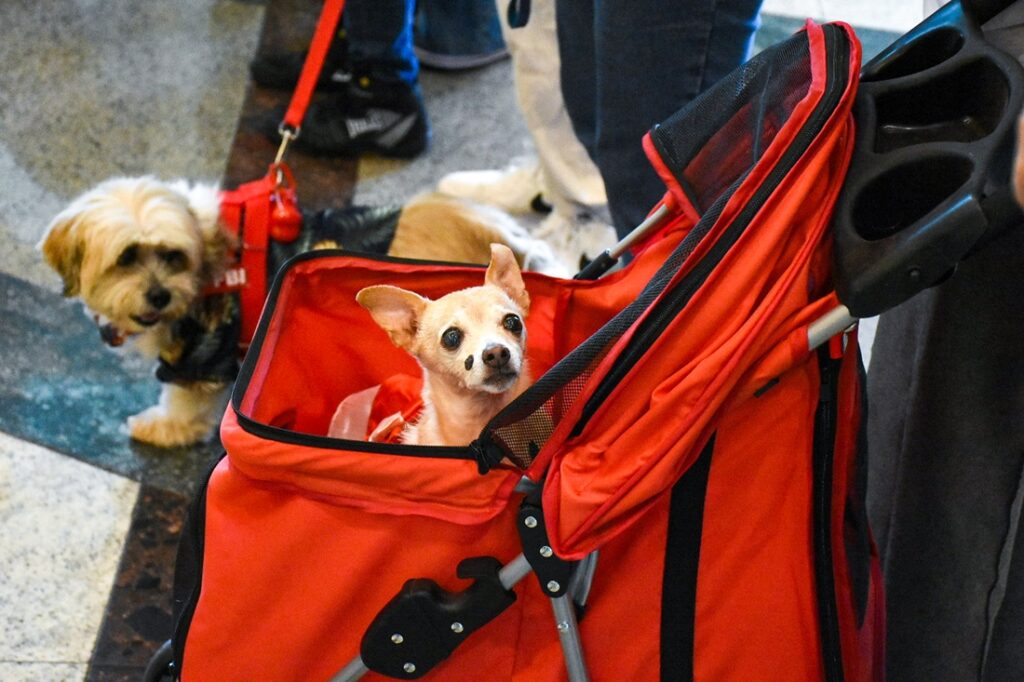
(281, 70)
(372, 115)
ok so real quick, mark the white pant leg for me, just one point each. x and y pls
(570, 177)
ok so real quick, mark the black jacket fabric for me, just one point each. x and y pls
(946, 455)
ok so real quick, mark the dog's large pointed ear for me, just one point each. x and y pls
(396, 310)
(63, 249)
(503, 272)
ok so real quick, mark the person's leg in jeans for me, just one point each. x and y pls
(380, 38)
(629, 64)
(458, 34)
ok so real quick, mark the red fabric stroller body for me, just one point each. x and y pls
(680, 426)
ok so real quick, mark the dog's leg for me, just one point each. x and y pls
(186, 414)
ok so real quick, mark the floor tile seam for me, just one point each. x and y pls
(20, 438)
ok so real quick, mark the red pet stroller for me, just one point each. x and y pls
(684, 477)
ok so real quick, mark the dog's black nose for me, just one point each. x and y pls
(158, 297)
(496, 355)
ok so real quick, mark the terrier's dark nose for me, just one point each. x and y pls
(496, 356)
(158, 297)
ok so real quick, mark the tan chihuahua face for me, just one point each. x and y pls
(473, 339)
(132, 250)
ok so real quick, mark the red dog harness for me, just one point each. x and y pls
(254, 213)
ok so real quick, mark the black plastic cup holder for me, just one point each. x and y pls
(930, 174)
(956, 106)
(907, 193)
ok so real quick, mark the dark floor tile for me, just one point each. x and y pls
(138, 617)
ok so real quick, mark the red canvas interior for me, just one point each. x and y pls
(321, 346)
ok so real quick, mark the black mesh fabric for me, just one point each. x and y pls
(710, 146)
(709, 143)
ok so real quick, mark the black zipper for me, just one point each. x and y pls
(837, 50)
(196, 523)
(823, 465)
(274, 433)
(824, 456)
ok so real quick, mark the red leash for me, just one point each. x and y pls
(267, 208)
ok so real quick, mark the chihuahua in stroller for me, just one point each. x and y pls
(470, 343)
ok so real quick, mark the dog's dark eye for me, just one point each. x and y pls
(512, 323)
(128, 256)
(176, 259)
(451, 338)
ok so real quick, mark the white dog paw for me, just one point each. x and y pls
(162, 431)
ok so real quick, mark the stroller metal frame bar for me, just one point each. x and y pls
(639, 232)
(569, 636)
(828, 325)
(609, 257)
(351, 672)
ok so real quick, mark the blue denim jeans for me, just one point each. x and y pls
(459, 27)
(380, 38)
(630, 64)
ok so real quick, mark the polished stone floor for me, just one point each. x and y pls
(91, 89)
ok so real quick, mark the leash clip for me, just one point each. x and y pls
(287, 135)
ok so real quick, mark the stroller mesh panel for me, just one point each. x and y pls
(730, 126)
(524, 426)
(699, 145)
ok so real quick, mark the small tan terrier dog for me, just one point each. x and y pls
(470, 343)
(138, 252)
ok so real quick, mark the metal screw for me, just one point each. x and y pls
(563, 626)
(553, 586)
(545, 551)
(409, 668)
(457, 628)
(530, 522)
(397, 638)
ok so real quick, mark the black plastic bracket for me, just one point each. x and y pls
(552, 572)
(423, 624)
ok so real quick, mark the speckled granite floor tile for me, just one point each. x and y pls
(41, 672)
(63, 524)
(93, 89)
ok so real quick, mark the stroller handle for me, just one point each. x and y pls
(929, 180)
